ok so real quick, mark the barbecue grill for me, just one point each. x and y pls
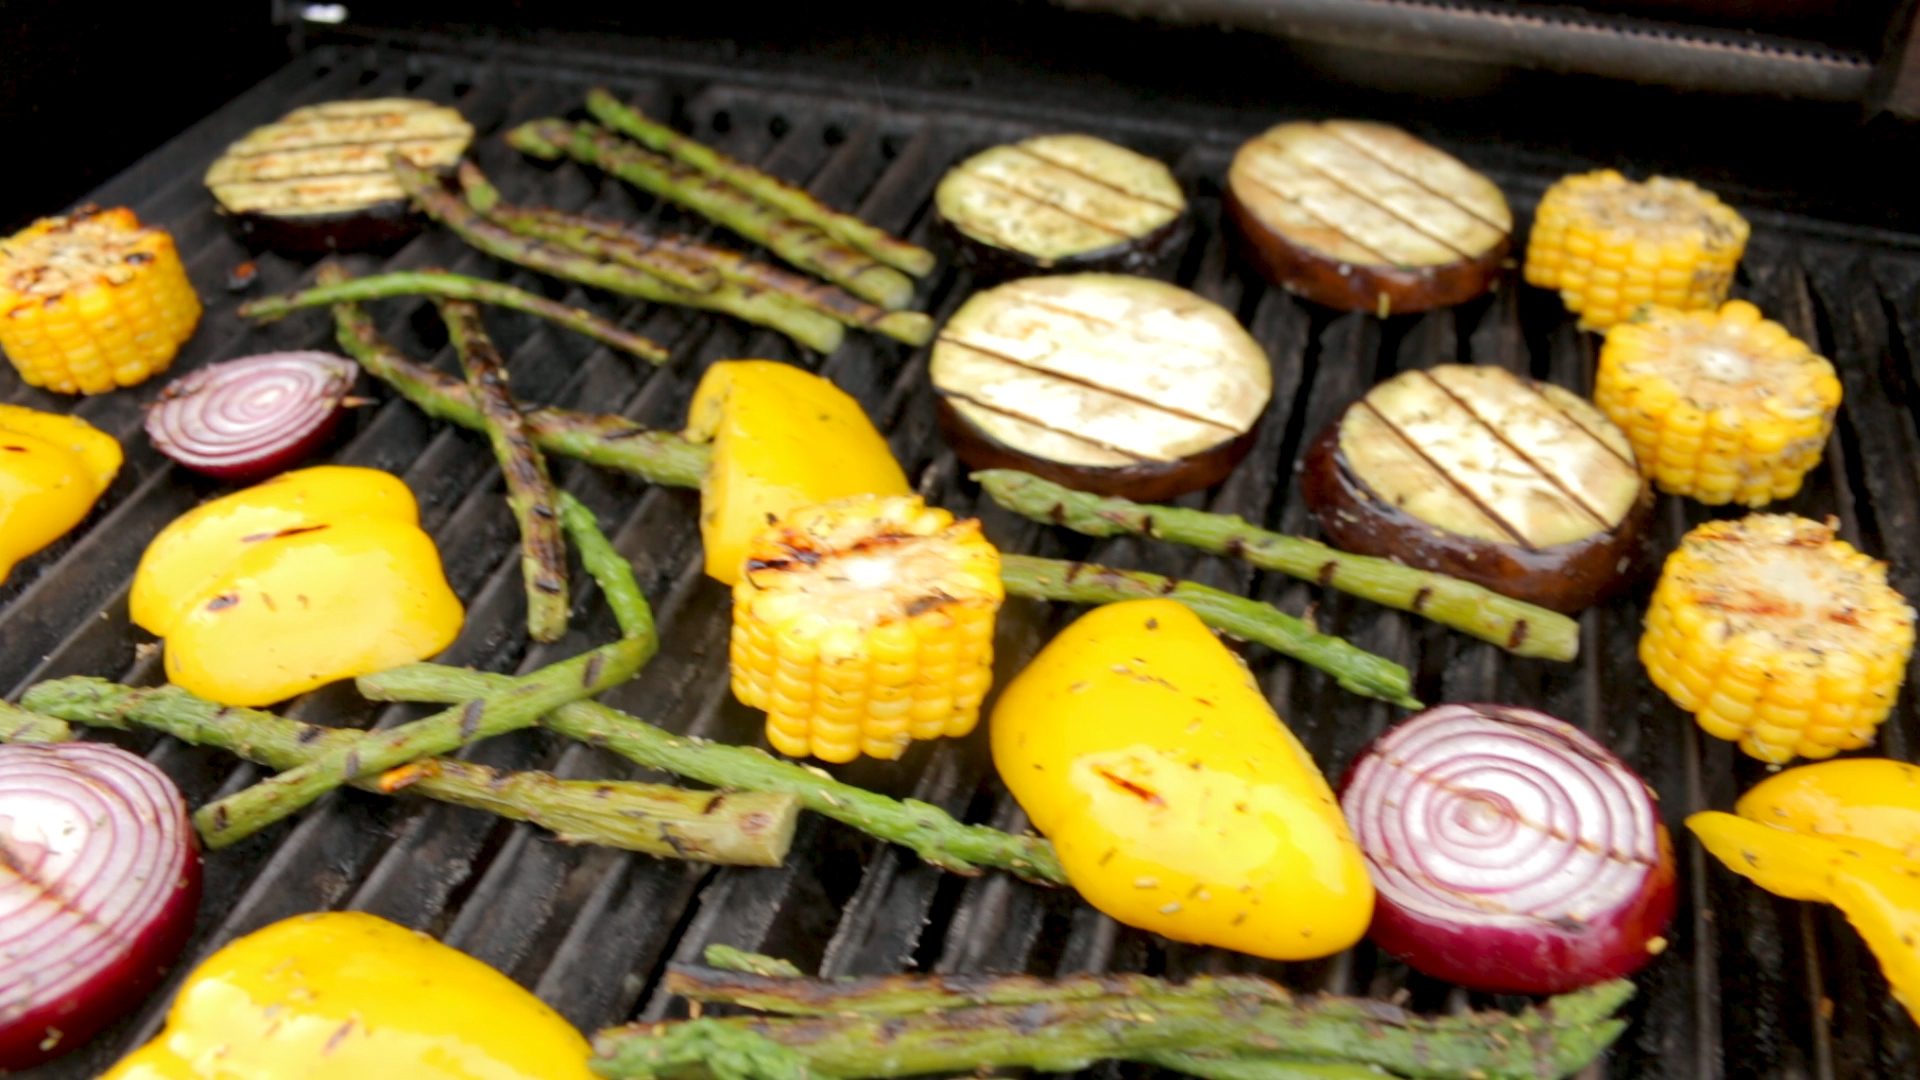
(1751, 986)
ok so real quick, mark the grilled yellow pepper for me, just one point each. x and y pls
(782, 438)
(1846, 833)
(349, 996)
(52, 470)
(313, 576)
(1177, 799)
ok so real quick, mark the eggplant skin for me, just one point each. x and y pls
(1141, 483)
(1346, 286)
(1147, 256)
(1566, 577)
(381, 227)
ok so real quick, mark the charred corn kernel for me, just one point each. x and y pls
(1778, 636)
(863, 624)
(1724, 406)
(92, 301)
(1610, 245)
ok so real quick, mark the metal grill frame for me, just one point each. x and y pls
(1751, 986)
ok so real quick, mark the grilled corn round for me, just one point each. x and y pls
(865, 623)
(1779, 636)
(1723, 406)
(92, 301)
(1610, 245)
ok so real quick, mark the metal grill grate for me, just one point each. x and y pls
(1752, 986)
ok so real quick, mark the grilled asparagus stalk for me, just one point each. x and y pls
(543, 551)
(630, 245)
(1515, 625)
(608, 441)
(792, 201)
(809, 328)
(747, 829)
(338, 288)
(798, 242)
(1212, 1034)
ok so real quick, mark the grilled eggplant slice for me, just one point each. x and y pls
(1476, 472)
(1062, 204)
(1102, 382)
(317, 180)
(1364, 217)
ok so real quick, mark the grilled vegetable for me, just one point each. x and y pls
(1364, 217)
(1478, 473)
(1231, 1027)
(245, 419)
(1063, 203)
(1610, 245)
(1513, 854)
(782, 438)
(1178, 801)
(864, 624)
(318, 179)
(746, 829)
(1520, 628)
(530, 491)
(1723, 406)
(1773, 632)
(93, 300)
(52, 470)
(313, 576)
(1843, 833)
(99, 884)
(1106, 383)
(342, 995)
(790, 200)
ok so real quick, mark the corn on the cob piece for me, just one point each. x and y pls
(93, 300)
(1777, 635)
(865, 623)
(1610, 245)
(1723, 406)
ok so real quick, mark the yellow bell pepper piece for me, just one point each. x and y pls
(349, 996)
(1178, 801)
(1873, 799)
(53, 469)
(782, 438)
(316, 575)
(1876, 887)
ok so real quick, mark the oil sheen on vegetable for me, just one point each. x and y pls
(1178, 801)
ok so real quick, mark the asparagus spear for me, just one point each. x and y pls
(515, 703)
(27, 726)
(1063, 1036)
(798, 242)
(728, 958)
(809, 328)
(749, 829)
(608, 441)
(794, 201)
(1515, 625)
(932, 834)
(455, 287)
(1356, 669)
(1045, 579)
(628, 244)
(543, 552)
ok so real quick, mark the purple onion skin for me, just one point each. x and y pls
(1543, 957)
(122, 980)
(252, 466)
(279, 461)
(1541, 960)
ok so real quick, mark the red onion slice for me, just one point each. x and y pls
(99, 882)
(1511, 852)
(244, 419)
